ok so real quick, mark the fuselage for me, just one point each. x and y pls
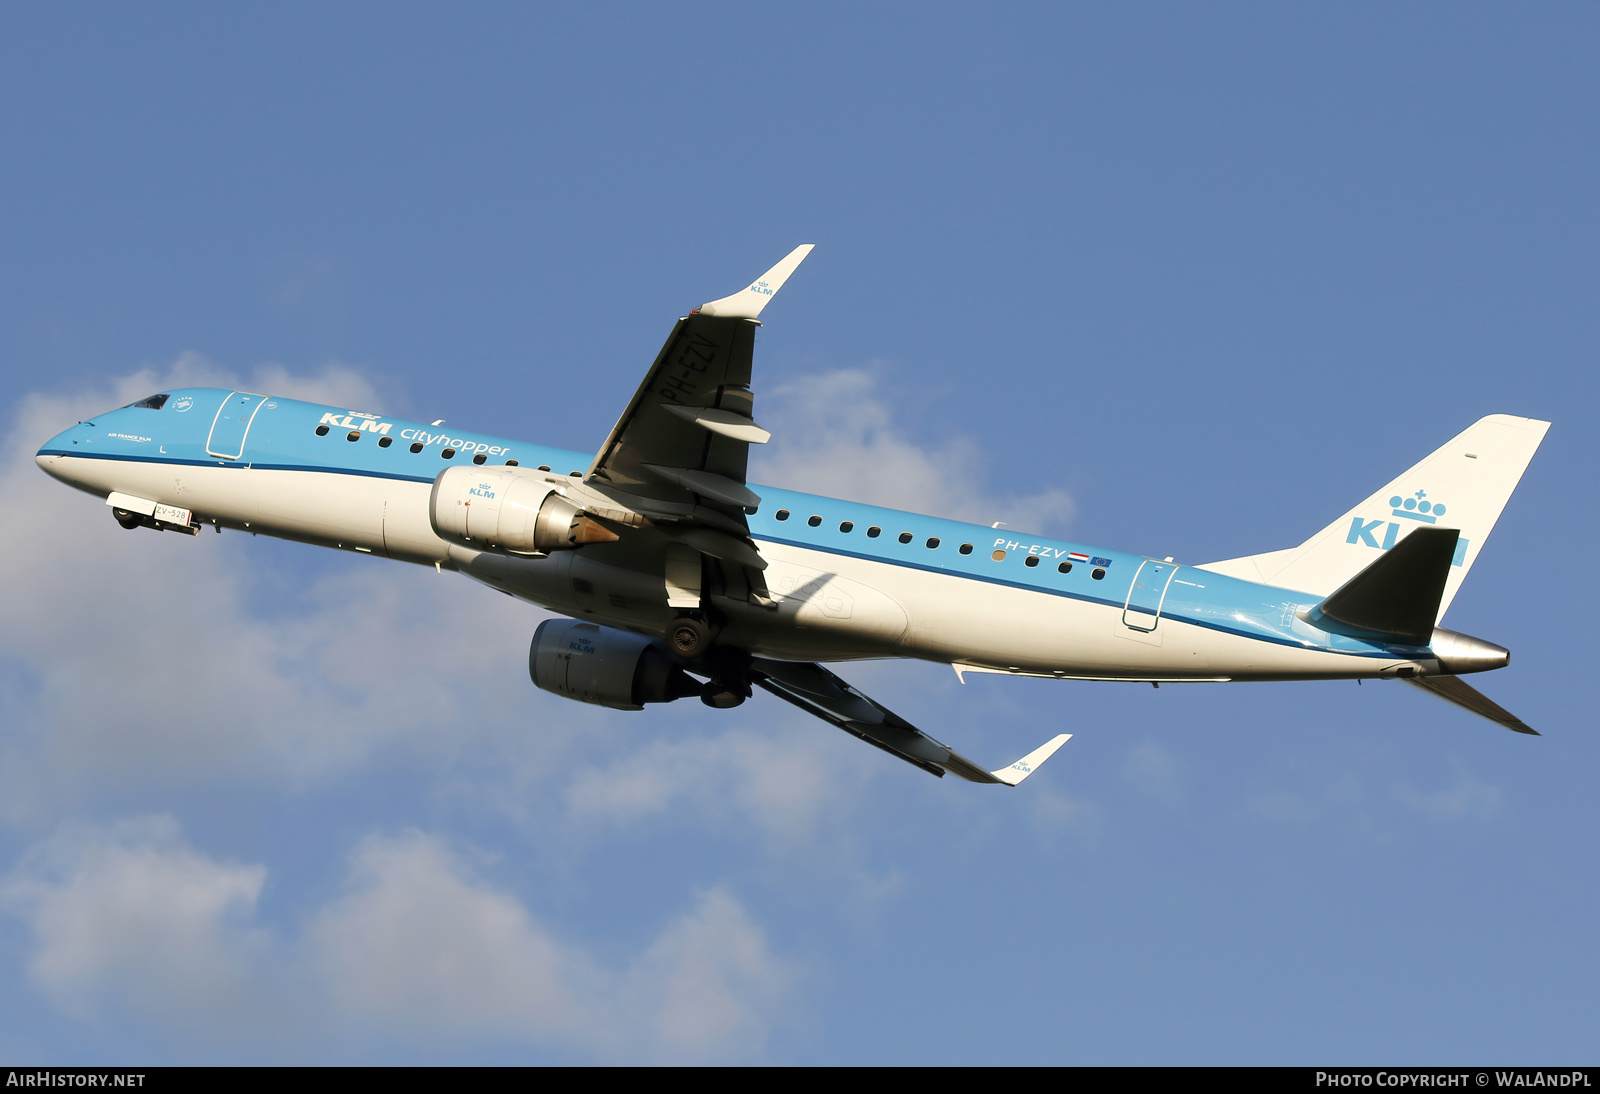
(848, 580)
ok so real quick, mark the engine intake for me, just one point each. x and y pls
(510, 511)
(603, 666)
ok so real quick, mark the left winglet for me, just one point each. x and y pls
(1026, 766)
(747, 303)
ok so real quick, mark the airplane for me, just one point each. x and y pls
(674, 578)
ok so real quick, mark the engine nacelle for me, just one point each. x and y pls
(604, 666)
(508, 510)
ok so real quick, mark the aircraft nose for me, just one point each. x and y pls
(52, 455)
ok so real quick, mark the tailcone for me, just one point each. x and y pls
(1459, 654)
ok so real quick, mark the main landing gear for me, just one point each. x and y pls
(693, 640)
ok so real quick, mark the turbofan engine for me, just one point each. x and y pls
(607, 667)
(510, 511)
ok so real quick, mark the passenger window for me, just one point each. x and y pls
(544, 467)
(905, 537)
(1097, 573)
(353, 435)
(813, 520)
(416, 447)
(385, 442)
(933, 541)
(480, 459)
(511, 463)
(781, 514)
(965, 548)
(1031, 560)
(874, 532)
(448, 454)
(1064, 568)
(846, 526)
(998, 556)
(322, 431)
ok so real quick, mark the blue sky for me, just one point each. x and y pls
(1166, 278)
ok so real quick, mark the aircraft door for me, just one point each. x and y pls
(1142, 610)
(232, 424)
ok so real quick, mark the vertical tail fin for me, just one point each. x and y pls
(1463, 485)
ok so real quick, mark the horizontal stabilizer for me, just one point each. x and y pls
(1463, 694)
(748, 304)
(817, 691)
(1397, 596)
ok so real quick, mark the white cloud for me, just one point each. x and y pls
(131, 662)
(833, 435)
(132, 917)
(419, 946)
(163, 659)
(418, 951)
(708, 987)
(789, 784)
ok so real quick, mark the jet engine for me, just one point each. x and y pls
(607, 667)
(509, 511)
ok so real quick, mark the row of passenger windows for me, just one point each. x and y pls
(847, 526)
(417, 446)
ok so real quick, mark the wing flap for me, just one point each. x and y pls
(725, 422)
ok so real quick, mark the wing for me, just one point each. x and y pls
(680, 449)
(817, 691)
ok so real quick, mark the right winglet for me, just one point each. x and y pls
(1026, 766)
(747, 304)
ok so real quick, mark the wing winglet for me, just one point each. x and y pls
(747, 303)
(1026, 766)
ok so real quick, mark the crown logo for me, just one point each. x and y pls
(1417, 507)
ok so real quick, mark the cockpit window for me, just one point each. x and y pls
(155, 402)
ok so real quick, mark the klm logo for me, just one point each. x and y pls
(482, 490)
(369, 423)
(1417, 507)
(761, 287)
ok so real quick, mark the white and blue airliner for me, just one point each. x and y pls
(676, 579)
